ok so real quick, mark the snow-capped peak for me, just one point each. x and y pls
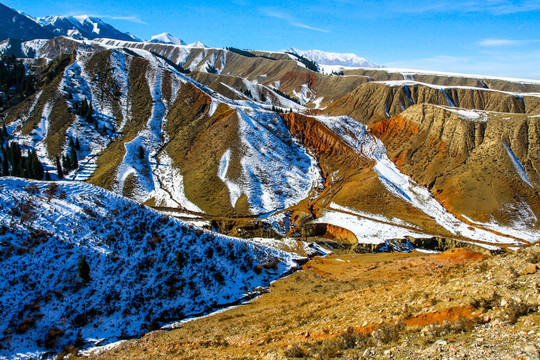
(331, 58)
(166, 38)
(83, 27)
(86, 18)
(197, 44)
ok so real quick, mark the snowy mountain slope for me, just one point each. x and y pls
(145, 269)
(266, 151)
(16, 25)
(166, 38)
(205, 130)
(331, 58)
(356, 135)
(276, 172)
(83, 27)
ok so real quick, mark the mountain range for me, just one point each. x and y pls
(150, 142)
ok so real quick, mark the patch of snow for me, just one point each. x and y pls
(276, 171)
(366, 231)
(305, 94)
(234, 189)
(213, 107)
(317, 103)
(197, 44)
(170, 178)
(517, 165)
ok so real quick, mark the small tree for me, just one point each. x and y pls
(59, 168)
(141, 152)
(84, 270)
(73, 161)
(180, 259)
(51, 190)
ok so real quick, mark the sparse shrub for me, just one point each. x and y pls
(272, 264)
(68, 351)
(25, 209)
(52, 337)
(514, 310)
(51, 190)
(462, 325)
(32, 189)
(24, 326)
(180, 259)
(154, 241)
(534, 256)
(295, 351)
(258, 269)
(84, 270)
(218, 276)
(387, 333)
(486, 303)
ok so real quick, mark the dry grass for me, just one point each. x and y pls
(336, 306)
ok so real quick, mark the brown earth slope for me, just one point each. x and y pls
(456, 304)
(464, 161)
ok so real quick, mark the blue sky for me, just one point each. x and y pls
(491, 37)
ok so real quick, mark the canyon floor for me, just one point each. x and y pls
(453, 305)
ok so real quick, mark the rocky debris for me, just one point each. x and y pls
(529, 269)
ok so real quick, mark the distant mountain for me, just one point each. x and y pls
(197, 44)
(19, 26)
(166, 38)
(83, 27)
(330, 58)
(16, 25)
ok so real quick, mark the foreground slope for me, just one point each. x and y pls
(145, 269)
(458, 304)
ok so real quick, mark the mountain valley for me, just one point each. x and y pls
(195, 176)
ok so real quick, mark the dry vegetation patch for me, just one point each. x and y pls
(371, 306)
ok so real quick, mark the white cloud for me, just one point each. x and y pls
(133, 18)
(504, 42)
(290, 19)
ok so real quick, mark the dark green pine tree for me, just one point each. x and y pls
(16, 159)
(71, 143)
(59, 170)
(35, 167)
(141, 152)
(47, 176)
(89, 112)
(77, 144)
(65, 163)
(84, 270)
(73, 161)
